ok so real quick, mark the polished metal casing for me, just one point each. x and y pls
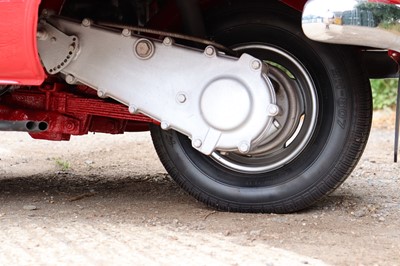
(219, 102)
(362, 22)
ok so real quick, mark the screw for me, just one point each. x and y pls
(164, 125)
(167, 41)
(273, 110)
(197, 143)
(132, 109)
(53, 39)
(70, 79)
(126, 32)
(209, 51)
(256, 64)
(86, 22)
(244, 147)
(181, 98)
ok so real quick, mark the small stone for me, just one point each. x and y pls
(227, 233)
(89, 162)
(30, 207)
(359, 213)
(255, 232)
(381, 219)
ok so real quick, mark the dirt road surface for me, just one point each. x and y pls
(102, 200)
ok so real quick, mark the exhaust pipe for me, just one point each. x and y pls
(24, 126)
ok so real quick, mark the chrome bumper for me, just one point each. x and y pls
(352, 22)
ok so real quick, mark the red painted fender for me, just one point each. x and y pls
(19, 59)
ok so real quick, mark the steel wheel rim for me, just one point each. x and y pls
(268, 162)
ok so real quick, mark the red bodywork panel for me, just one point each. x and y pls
(19, 60)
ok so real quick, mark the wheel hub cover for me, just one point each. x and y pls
(226, 104)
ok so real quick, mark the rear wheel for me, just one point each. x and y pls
(318, 136)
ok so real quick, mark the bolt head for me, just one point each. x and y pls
(42, 35)
(273, 110)
(256, 65)
(70, 79)
(126, 32)
(167, 41)
(132, 109)
(101, 93)
(181, 98)
(164, 125)
(209, 51)
(144, 49)
(86, 22)
(244, 147)
(197, 143)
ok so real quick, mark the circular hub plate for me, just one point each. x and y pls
(225, 104)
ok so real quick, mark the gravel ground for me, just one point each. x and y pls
(102, 199)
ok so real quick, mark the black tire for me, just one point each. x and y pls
(339, 132)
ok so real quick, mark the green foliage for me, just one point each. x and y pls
(384, 93)
(63, 165)
(383, 14)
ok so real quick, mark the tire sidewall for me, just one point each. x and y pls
(318, 169)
